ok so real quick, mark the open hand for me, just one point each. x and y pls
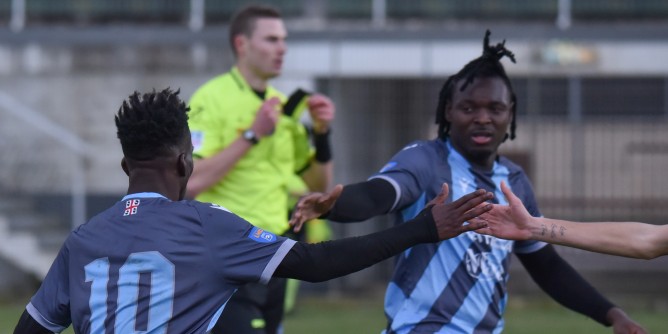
(622, 323)
(511, 221)
(313, 206)
(450, 217)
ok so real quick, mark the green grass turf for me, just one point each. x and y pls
(325, 316)
(330, 316)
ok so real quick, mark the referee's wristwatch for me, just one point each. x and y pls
(250, 136)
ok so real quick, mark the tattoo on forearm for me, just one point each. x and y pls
(543, 229)
(552, 231)
(562, 230)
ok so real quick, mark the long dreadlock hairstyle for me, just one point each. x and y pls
(486, 66)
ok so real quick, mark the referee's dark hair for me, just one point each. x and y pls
(486, 66)
(152, 125)
(243, 21)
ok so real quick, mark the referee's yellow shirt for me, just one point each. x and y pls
(256, 187)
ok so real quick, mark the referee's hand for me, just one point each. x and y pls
(313, 206)
(266, 117)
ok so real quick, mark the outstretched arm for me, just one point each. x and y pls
(331, 259)
(28, 325)
(630, 239)
(351, 203)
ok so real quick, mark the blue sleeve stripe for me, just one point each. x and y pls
(395, 185)
(35, 314)
(276, 260)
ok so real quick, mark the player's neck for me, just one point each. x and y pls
(151, 181)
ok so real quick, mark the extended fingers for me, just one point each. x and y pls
(442, 196)
(333, 195)
(471, 200)
(474, 224)
(297, 222)
(295, 219)
(477, 211)
(510, 196)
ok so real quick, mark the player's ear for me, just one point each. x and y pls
(447, 110)
(124, 165)
(182, 165)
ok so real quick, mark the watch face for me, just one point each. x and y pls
(250, 136)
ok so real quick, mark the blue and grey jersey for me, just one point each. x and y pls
(457, 285)
(151, 265)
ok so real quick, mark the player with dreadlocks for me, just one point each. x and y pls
(155, 263)
(459, 285)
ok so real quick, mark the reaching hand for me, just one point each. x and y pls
(313, 206)
(622, 324)
(510, 221)
(450, 217)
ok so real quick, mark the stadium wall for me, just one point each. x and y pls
(77, 82)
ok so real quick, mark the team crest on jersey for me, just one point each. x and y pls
(261, 235)
(197, 138)
(131, 207)
(479, 260)
(388, 166)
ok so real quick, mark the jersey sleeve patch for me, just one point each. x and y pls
(197, 138)
(259, 235)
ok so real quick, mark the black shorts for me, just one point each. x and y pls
(254, 309)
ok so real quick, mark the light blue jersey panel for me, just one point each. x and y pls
(457, 285)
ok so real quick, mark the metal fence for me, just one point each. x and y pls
(217, 11)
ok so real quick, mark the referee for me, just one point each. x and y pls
(248, 143)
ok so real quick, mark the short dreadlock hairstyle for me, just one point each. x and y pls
(486, 66)
(151, 125)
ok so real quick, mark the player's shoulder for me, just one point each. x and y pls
(513, 167)
(423, 150)
(421, 146)
(206, 209)
(416, 154)
(218, 220)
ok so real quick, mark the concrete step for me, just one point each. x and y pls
(24, 251)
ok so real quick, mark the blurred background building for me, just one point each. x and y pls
(591, 79)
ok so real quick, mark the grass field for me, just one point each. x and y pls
(335, 316)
